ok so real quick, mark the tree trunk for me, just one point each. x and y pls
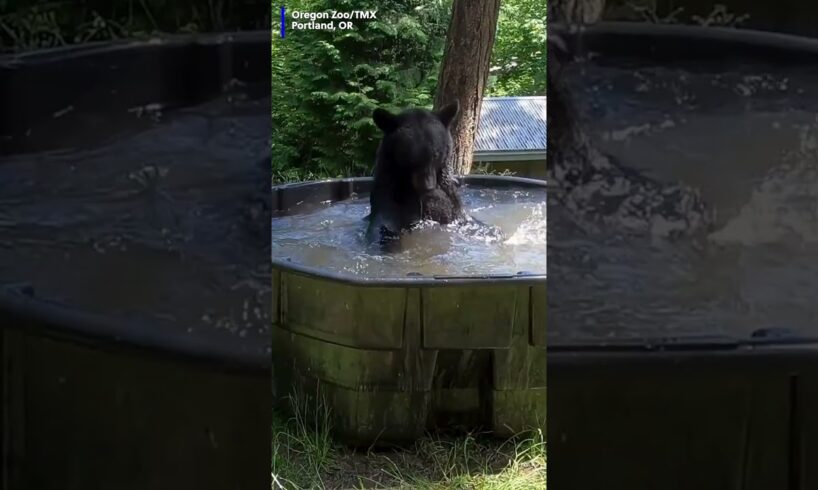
(465, 70)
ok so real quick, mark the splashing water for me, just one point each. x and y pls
(332, 238)
(696, 124)
(784, 206)
(532, 230)
(153, 223)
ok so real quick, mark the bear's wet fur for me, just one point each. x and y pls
(413, 180)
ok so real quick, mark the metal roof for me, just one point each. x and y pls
(511, 125)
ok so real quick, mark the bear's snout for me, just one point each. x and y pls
(424, 180)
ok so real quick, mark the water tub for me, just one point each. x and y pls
(708, 407)
(393, 357)
(100, 399)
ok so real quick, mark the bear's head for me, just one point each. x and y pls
(416, 145)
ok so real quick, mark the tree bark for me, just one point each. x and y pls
(465, 70)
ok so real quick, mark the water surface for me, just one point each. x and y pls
(746, 137)
(158, 219)
(332, 238)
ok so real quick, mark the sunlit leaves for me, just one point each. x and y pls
(518, 61)
(327, 83)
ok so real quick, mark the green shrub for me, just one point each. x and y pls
(30, 24)
(327, 83)
(518, 60)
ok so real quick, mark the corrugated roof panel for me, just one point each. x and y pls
(511, 124)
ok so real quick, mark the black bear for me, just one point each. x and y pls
(413, 180)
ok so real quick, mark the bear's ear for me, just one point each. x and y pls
(385, 120)
(448, 112)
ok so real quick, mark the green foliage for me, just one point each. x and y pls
(327, 83)
(518, 59)
(29, 24)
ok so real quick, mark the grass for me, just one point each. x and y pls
(290, 175)
(484, 168)
(306, 457)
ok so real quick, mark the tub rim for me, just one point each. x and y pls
(729, 37)
(58, 322)
(72, 51)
